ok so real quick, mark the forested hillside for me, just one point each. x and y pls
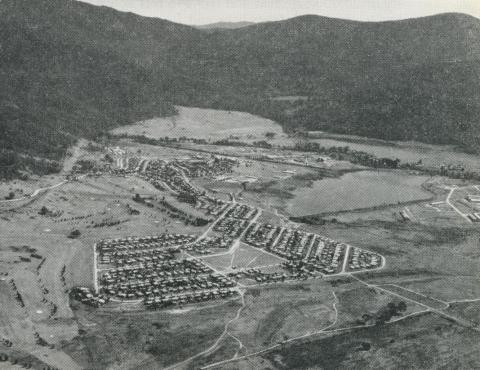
(58, 85)
(70, 69)
(413, 79)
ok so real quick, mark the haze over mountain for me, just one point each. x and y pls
(71, 69)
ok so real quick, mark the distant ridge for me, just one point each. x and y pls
(224, 25)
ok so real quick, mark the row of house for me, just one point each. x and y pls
(209, 245)
(124, 258)
(262, 235)
(260, 276)
(156, 302)
(307, 252)
(231, 227)
(211, 206)
(207, 166)
(148, 248)
(474, 217)
(242, 212)
(159, 279)
(86, 296)
(359, 259)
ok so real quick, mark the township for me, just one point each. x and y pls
(172, 269)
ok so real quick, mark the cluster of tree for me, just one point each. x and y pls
(385, 314)
(227, 142)
(93, 147)
(453, 172)
(132, 211)
(345, 153)
(44, 211)
(262, 144)
(313, 220)
(74, 234)
(256, 144)
(19, 360)
(107, 223)
(10, 195)
(187, 197)
(40, 340)
(84, 166)
(41, 264)
(16, 165)
(18, 296)
(143, 200)
(166, 140)
(62, 275)
(188, 219)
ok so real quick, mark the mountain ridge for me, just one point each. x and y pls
(76, 68)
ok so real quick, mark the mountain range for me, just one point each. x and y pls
(70, 69)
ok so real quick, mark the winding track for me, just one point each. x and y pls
(215, 345)
(279, 345)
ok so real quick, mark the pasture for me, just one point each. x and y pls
(357, 190)
(204, 124)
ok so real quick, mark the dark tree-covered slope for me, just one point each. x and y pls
(412, 79)
(60, 81)
(71, 69)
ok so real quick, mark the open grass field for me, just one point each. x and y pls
(247, 256)
(447, 288)
(244, 256)
(469, 310)
(204, 123)
(220, 262)
(356, 190)
(422, 256)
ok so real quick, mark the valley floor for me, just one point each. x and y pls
(348, 320)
